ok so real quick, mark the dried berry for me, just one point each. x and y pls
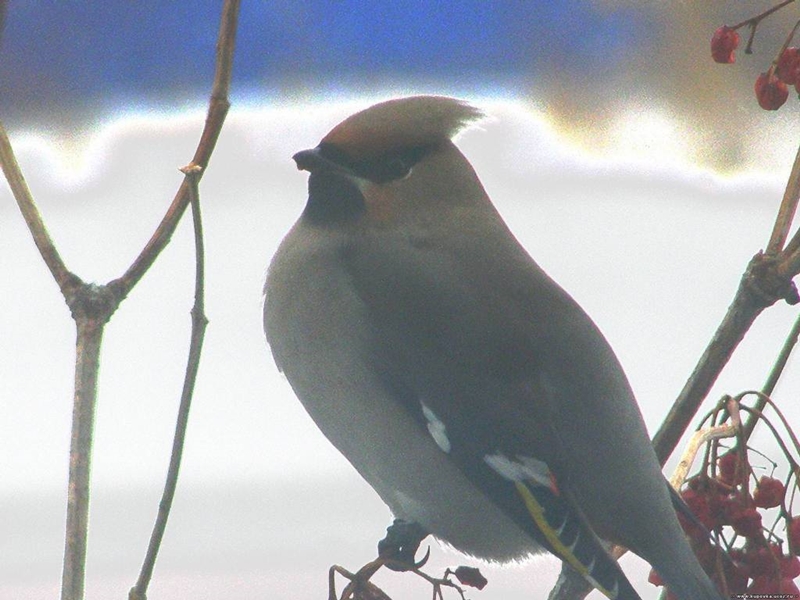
(470, 576)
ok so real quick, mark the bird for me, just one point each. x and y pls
(474, 395)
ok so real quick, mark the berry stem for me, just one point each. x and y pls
(795, 442)
(754, 21)
(760, 416)
(785, 44)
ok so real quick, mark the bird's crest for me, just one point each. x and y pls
(401, 123)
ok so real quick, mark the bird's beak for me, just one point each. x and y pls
(313, 160)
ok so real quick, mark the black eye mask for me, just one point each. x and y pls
(390, 166)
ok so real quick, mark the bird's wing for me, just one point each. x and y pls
(486, 331)
(461, 343)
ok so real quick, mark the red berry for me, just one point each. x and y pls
(716, 509)
(698, 504)
(793, 530)
(768, 585)
(723, 44)
(769, 493)
(728, 468)
(761, 561)
(788, 65)
(731, 508)
(790, 567)
(770, 91)
(747, 522)
(789, 588)
(763, 585)
(736, 577)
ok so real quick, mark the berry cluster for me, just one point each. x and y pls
(772, 86)
(743, 514)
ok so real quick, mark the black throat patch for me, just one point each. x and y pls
(333, 199)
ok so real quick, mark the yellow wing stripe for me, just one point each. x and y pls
(537, 513)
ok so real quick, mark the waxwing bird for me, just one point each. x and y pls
(473, 394)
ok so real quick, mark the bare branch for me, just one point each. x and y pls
(786, 212)
(66, 281)
(757, 291)
(772, 379)
(90, 335)
(217, 111)
(753, 21)
(199, 322)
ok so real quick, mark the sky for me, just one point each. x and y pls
(640, 175)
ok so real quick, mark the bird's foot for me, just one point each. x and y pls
(401, 544)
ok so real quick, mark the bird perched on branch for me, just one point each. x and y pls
(476, 397)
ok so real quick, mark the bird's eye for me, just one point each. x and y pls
(393, 165)
(398, 168)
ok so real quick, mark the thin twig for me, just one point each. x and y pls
(760, 416)
(359, 582)
(752, 21)
(772, 379)
(767, 401)
(789, 264)
(786, 212)
(199, 322)
(66, 281)
(73, 575)
(90, 335)
(217, 111)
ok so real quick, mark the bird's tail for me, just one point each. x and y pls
(687, 580)
(560, 528)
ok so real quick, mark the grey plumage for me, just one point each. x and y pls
(460, 381)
